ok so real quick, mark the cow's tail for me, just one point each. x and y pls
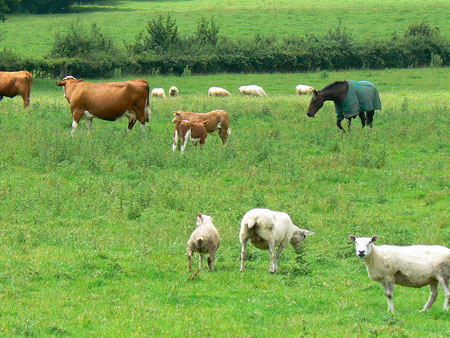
(29, 81)
(147, 110)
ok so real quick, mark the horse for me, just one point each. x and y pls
(351, 99)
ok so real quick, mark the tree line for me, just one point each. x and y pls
(161, 49)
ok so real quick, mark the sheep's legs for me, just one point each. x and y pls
(444, 284)
(273, 263)
(389, 292)
(200, 266)
(211, 259)
(189, 261)
(433, 296)
(277, 257)
(243, 246)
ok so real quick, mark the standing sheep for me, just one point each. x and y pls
(173, 91)
(304, 89)
(414, 266)
(158, 92)
(268, 229)
(252, 90)
(205, 240)
(217, 91)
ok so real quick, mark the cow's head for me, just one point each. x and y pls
(68, 81)
(177, 116)
(316, 103)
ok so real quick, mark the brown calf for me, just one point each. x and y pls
(16, 83)
(217, 120)
(189, 131)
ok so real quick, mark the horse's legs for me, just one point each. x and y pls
(338, 123)
(362, 116)
(370, 115)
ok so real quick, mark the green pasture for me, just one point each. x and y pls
(93, 230)
(33, 35)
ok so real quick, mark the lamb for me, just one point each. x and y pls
(414, 266)
(158, 92)
(194, 131)
(268, 229)
(205, 240)
(252, 90)
(217, 91)
(173, 91)
(304, 89)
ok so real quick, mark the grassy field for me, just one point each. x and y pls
(32, 35)
(94, 230)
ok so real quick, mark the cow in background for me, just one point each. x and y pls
(16, 83)
(217, 120)
(107, 101)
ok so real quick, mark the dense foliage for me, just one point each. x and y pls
(161, 49)
(38, 6)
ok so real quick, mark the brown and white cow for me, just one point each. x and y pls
(217, 120)
(107, 101)
(16, 83)
(189, 131)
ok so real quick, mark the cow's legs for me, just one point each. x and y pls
(131, 122)
(76, 116)
(349, 123)
(26, 99)
(175, 141)
(223, 132)
(89, 126)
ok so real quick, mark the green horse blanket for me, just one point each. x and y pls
(362, 96)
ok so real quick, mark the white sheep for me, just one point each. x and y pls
(158, 92)
(217, 91)
(205, 240)
(414, 266)
(173, 91)
(252, 90)
(304, 89)
(268, 229)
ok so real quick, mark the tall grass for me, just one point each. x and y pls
(94, 229)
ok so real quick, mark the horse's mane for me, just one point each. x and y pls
(332, 85)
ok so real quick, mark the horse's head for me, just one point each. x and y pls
(316, 103)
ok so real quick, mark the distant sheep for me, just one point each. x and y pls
(268, 229)
(217, 91)
(205, 240)
(158, 92)
(414, 266)
(252, 90)
(304, 89)
(173, 91)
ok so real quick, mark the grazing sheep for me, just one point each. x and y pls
(194, 131)
(304, 89)
(205, 240)
(252, 90)
(268, 229)
(158, 92)
(217, 91)
(414, 266)
(173, 91)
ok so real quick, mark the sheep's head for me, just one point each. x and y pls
(202, 219)
(298, 237)
(363, 245)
